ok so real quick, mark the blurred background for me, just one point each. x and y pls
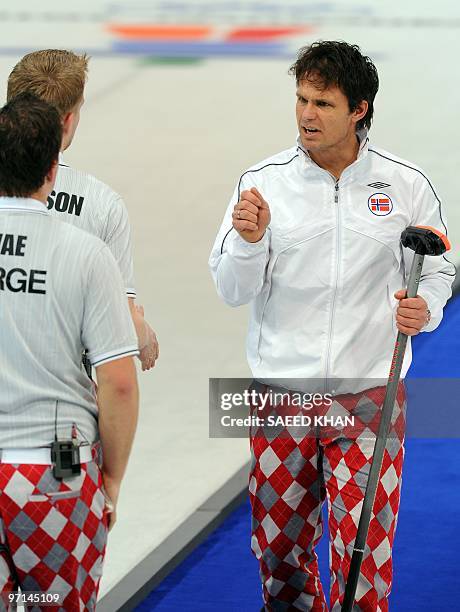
(181, 98)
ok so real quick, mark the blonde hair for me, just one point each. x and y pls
(54, 75)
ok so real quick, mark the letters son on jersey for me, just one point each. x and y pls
(65, 202)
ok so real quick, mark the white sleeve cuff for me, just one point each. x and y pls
(239, 246)
(100, 359)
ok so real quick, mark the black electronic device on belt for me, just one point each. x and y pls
(65, 455)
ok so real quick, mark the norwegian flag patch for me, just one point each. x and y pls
(380, 204)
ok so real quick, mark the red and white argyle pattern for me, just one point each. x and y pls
(291, 477)
(56, 532)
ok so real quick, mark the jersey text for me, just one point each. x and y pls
(12, 245)
(64, 202)
(18, 280)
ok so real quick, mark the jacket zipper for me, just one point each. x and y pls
(336, 283)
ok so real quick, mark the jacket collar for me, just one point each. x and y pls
(362, 151)
(23, 205)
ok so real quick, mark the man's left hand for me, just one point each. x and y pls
(149, 353)
(411, 314)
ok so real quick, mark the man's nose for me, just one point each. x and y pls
(309, 111)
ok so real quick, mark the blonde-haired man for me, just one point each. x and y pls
(58, 77)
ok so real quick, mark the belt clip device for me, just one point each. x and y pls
(65, 455)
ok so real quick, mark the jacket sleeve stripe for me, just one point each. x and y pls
(435, 195)
(239, 187)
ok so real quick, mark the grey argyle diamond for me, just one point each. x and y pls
(56, 557)
(293, 527)
(23, 526)
(365, 410)
(393, 446)
(267, 495)
(271, 560)
(298, 580)
(100, 538)
(294, 462)
(93, 472)
(79, 514)
(361, 477)
(48, 483)
(82, 575)
(385, 516)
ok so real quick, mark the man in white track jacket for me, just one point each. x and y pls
(311, 239)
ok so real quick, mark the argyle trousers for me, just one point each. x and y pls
(55, 533)
(292, 474)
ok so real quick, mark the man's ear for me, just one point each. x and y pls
(67, 122)
(360, 110)
(52, 172)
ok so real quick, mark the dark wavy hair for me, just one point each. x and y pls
(30, 141)
(333, 62)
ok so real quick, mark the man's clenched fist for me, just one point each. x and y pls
(251, 215)
(412, 314)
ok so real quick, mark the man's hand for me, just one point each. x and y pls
(111, 490)
(251, 215)
(412, 313)
(150, 351)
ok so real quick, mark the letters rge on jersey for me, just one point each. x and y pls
(84, 201)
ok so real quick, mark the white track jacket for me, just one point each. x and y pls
(321, 280)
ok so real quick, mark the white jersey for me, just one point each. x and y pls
(88, 203)
(60, 291)
(321, 281)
